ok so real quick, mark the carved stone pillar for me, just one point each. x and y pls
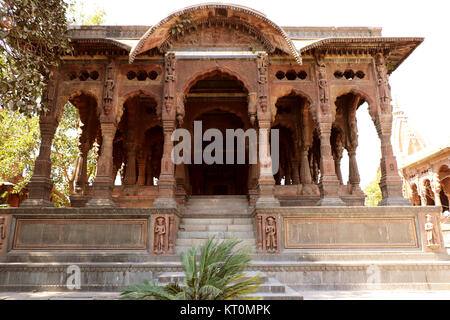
(328, 183)
(390, 182)
(103, 183)
(354, 178)
(436, 185)
(266, 182)
(40, 185)
(130, 173)
(166, 181)
(305, 172)
(141, 169)
(81, 178)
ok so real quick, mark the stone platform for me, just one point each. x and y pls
(326, 248)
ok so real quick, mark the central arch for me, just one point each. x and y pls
(216, 100)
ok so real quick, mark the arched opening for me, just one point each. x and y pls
(138, 143)
(75, 150)
(429, 194)
(345, 141)
(217, 101)
(299, 145)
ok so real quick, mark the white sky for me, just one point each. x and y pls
(419, 85)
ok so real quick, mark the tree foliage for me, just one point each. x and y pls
(19, 146)
(32, 39)
(218, 275)
(373, 191)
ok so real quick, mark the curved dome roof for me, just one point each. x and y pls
(274, 34)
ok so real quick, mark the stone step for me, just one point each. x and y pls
(217, 227)
(216, 221)
(167, 277)
(217, 234)
(196, 242)
(270, 289)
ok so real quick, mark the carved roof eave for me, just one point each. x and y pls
(102, 42)
(158, 33)
(396, 49)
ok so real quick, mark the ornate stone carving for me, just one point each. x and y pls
(384, 89)
(262, 62)
(160, 235)
(169, 87)
(163, 234)
(108, 90)
(268, 233)
(324, 96)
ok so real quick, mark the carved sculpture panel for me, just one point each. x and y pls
(163, 234)
(384, 89)
(268, 233)
(108, 90)
(169, 86)
(432, 232)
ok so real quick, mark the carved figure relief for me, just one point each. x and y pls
(169, 87)
(108, 90)
(382, 81)
(268, 235)
(160, 235)
(163, 234)
(271, 232)
(262, 62)
(430, 233)
(323, 84)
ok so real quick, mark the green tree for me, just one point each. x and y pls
(19, 146)
(19, 105)
(218, 275)
(373, 191)
(32, 39)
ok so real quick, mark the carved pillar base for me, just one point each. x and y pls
(266, 198)
(102, 193)
(39, 195)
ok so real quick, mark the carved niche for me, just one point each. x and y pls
(163, 234)
(268, 233)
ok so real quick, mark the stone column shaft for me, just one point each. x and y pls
(40, 185)
(104, 182)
